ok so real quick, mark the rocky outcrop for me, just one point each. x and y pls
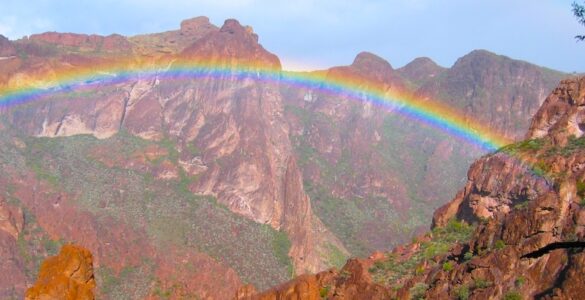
(84, 42)
(174, 41)
(527, 201)
(68, 275)
(421, 70)
(234, 46)
(562, 114)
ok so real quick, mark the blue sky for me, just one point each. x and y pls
(309, 34)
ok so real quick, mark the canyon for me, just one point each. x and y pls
(213, 186)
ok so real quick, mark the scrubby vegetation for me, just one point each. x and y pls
(441, 240)
(171, 214)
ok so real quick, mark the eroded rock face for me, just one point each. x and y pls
(562, 114)
(111, 43)
(68, 275)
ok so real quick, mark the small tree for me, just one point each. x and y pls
(579, 12)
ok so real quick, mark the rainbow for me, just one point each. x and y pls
(433, 113)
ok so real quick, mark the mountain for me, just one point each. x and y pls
(197, 186)
(497, 90)
(421, 70)
(515, 230)
(375, 176)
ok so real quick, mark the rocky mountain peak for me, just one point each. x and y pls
(195, 25)
(371, 62)
(421, 70)
(232, 44)
(233, 26)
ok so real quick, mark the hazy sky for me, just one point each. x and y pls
(316, 34)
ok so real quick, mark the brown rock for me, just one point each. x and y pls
(561, 114)
(111, 43)
(69, 275)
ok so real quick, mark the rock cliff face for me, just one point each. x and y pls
(68, 275)
(222, 137)
(527, 238)
(500, 92)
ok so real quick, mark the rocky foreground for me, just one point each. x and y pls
(68, 275)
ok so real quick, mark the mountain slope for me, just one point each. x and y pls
(517, 228)
(367, 167)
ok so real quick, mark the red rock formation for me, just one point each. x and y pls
(111, 43)
(7, 49)
(68, 275)
(561, 115)
(174, 41)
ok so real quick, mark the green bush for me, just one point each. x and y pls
(448, 266)
(499, 245)
(462, 292)
(519, 281)
(324, 291)
(480, 283)
(468, 256)
(512, 295)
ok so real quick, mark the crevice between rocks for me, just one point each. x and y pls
(553, 246)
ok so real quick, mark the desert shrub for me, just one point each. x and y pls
(512, 295)
(448, 266)
(324, 291)
(520, 281)
(462, 292)
(480, 283)
(418, 291)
